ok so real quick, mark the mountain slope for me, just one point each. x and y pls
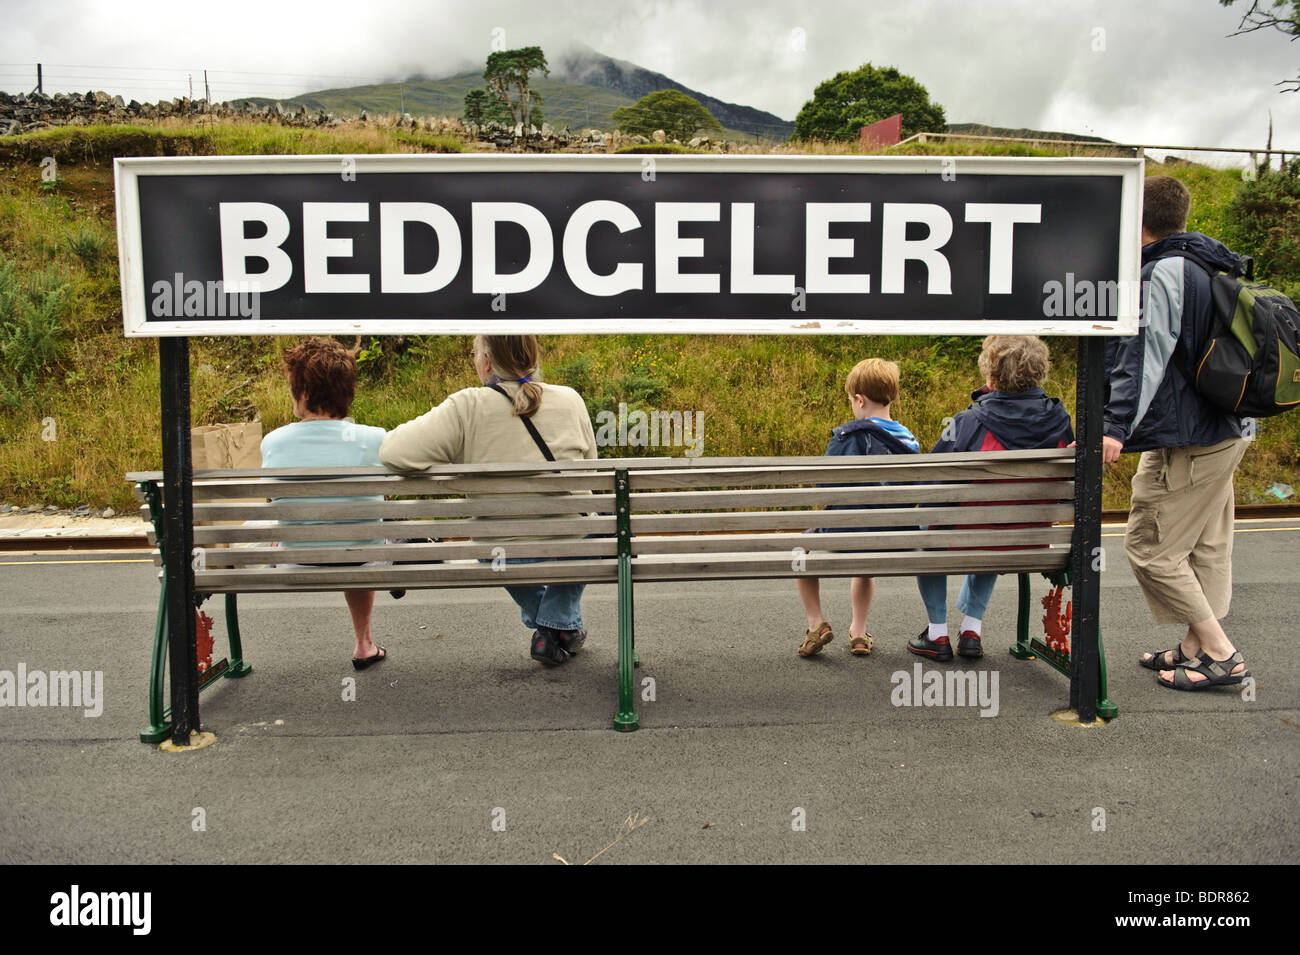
(585, 66)
(583, 90)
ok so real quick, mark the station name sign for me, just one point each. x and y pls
(437, 244)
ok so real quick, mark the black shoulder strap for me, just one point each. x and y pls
(532, 429)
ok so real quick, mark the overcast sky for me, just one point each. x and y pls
(1149, 71)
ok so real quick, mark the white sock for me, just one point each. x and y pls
(971, 623)
(938, 630)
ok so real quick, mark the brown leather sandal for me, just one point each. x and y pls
(861, 646)
(814, 641)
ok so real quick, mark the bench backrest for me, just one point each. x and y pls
(690, 518)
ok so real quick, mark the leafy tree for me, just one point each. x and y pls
(508, 71)
(1281, 15)
(842, 105)
(483, 107)
(678, 115)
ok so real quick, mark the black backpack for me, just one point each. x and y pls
(1250, 365)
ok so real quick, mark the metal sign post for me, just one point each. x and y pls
(1089, 409)
(174, 380)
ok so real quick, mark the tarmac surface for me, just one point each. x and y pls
(462, 749)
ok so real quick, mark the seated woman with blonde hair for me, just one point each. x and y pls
(322, 376)
(513, 417)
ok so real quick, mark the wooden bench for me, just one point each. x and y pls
(623, 521)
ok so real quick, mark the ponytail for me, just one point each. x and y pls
(528, 399)
(515, 358)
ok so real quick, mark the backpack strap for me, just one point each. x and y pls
(532, 428)
(1178, 359)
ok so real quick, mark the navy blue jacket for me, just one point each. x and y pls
(1150, 402)
(864, 436)
(860, 436)
(1008, 421)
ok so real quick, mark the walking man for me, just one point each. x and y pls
(1179, 534)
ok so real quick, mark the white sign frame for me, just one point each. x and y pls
(129, 170)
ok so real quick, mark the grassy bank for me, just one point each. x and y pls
(69, 374)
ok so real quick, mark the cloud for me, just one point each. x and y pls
(1164, 70)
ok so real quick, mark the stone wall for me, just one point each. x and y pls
(23, 113)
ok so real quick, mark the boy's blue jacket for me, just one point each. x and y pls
(864, 436)
(860, 436)
(1008, 421)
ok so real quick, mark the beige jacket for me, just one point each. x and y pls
(479, 426)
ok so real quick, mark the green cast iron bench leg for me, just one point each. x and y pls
(159, 728)
(237, 667)
(1023, 648)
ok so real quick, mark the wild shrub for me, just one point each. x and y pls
(1263, 220)
(32, 336)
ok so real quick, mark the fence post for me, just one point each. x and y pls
(1089, 409)
(178, 518)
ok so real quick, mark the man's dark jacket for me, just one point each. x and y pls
(1151, 403)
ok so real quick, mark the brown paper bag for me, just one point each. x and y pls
(236, 445)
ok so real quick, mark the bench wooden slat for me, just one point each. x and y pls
(690, 544)
(406, 576)
(882, 517)
(643, 524)
(864, 473)
(901, 564)
(418, 553)
(380, 530)
(869, 541)
(642, 502)
(666, 567)
(397, 485)
(651, 502)
(559, 505)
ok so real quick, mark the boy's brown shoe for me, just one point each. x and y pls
(813, 641)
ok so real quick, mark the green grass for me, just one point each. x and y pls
(759, 395)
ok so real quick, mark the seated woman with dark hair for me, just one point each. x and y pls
(322, 376)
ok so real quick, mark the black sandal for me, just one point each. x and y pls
(1157, 661)
(1216, 673)
(360, 663)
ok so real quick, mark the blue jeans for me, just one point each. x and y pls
(557, 606)
(973, 600)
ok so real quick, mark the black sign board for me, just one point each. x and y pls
(743, 244)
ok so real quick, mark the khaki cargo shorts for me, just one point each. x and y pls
(1179, 534)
